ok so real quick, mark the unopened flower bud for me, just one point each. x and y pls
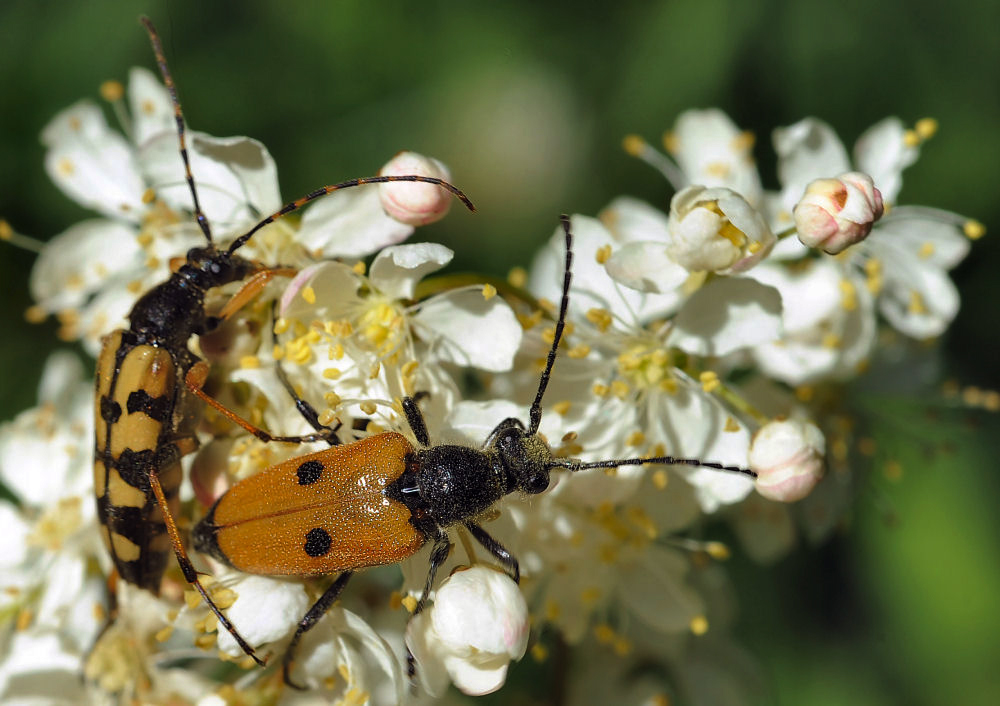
(716, 230)
(788, 459)
(834, 214)
(477, 624)
(414, 203)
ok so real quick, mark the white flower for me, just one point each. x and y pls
(476, 625)
(837, 213)
(788, 458)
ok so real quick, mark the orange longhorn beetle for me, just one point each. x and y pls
(378, 500)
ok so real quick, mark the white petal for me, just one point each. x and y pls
(350, 223)
(265, 610)
(79, 261)
(807, 150)
(236, 177)
(14, 529)
(917, 299)
(397, 269)
(882, 153)
(477, 678)
(92, 164)
(646, 267)
(465, 328)
(933, 236)
(150, 106)
(630, 219)
(765, 528)
(727, 314)
(655, 588)
(334, 285)
(711, 150)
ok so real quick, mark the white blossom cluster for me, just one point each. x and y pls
(689, 333)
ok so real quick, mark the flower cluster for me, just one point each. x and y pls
(695, 333)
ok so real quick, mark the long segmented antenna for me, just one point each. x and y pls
(535, 415)
(168, 80)
(324, 190)
(575, 465)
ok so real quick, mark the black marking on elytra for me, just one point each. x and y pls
(318, 542)
(156, 408)
(134, 467)
(111, 411)
(309, 472)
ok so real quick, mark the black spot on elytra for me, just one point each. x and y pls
(309, 472)
(156, 408)
(317, 542)
(134, 467)
(111, 411)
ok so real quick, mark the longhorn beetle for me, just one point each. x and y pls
(146, 377)
(378, 500)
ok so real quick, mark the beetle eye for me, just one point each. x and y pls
(536, 482)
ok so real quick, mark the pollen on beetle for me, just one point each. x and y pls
(698, 625)
(249, 362)
(709, 381)
(489, 291)
(603, 254)
(974, 230)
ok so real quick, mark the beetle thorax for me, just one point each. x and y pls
(458, 482)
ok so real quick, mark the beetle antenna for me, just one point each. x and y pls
(535, 415)
(574, 465)
(168, 80)
(324, 190)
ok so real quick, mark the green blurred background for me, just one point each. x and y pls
(527, 102)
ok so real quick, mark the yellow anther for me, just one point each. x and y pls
(709, 381)
(926, 128)
(669, 385)
(831, 340)
(205, 642)
(358, 268)
(717, 550)
(164, 634)
(112, 91)
(24, 619)
(604, 633)
(620, 389)
(733, 234)
(744, 142)
(249, 362)
(926, 250)
(917, 305)
(661, 479)
(6, 232)
(149, 196)
(489, 291)
(192, 599)
(552, 610)
(549, 335)
(731, 425)
(569, 437)
(409, 368)
(281, 325)
(539, 653)
(601, 318)
(754, 247)
(622, 646)
(35, 314)
(893, 470)
(368, 407)
(375, 370)
(698, 625)
(517, 277)
(636, 438)
(671, 143)
(561, 408)
(603, 254)
(65, 167)
(309, 295)
(911, 138)
(580, 351)
(974, 230)
(331, 373)
(409, 602)
(590, 596)
(600, 389)
(327, 417)
(531, 320)
(634, 145)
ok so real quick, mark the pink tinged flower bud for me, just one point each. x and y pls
(834, 214)
(716, 230)
(788, 459)
(411, 202)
